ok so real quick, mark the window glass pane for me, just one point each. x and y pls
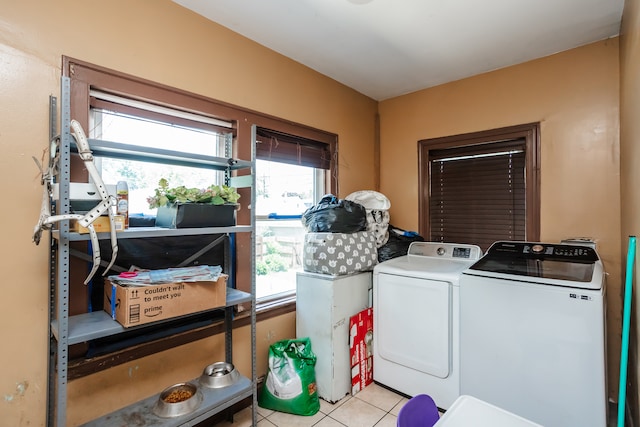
(284, 192)
(142, 177)
(283, 189)
(142, 132)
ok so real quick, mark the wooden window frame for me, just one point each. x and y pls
(85, 77)
(530, 133)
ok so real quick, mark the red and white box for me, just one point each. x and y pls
(361, 349)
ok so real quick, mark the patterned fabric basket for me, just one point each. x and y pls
(339, 253)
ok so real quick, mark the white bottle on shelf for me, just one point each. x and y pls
(122, 196)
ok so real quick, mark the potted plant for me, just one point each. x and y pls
(182, 207)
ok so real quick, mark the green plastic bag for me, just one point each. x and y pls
(290, 385)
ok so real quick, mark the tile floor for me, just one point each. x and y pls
(373, 406)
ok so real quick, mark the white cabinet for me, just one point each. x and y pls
(324, 307)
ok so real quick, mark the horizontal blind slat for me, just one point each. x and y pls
(477, 200)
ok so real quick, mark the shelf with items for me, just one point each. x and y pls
(117, 150)
(67, 330)
(140, 232)
(99, 324)
(214, 401)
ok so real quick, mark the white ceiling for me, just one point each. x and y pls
(386, 48)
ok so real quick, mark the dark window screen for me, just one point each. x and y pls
(477, 193)
(281, 147)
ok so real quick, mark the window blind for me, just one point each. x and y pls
(118, 103)
(477, 194)
(285, 148)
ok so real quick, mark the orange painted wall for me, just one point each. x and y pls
(573, 94)
(630, 172)
(575, 97)
(160, 41)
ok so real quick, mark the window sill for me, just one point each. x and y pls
(81, 366)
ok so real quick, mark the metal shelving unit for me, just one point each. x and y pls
(66, 330)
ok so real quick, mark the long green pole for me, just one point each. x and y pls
(626, 322)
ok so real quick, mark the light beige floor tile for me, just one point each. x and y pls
(396, 409)
(379, 397)
(368, 409)
(388, 421)
(264, 412)
(329, 422)
(358, 413)
(327, 408)
(282, 419)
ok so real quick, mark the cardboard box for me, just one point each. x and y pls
(339, 253)
(138, 305)
(361, 349)
(193, 215)
(101, 225)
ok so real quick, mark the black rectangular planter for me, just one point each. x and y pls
(194, 215)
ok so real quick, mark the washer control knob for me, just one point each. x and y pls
(441, 251)
(537, 249)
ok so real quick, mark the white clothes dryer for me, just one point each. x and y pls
(416, 320)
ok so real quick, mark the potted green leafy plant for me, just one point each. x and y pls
(182, 207)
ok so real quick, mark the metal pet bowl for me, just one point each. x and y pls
(179, 399)
(219, 375)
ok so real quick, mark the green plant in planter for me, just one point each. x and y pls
(213, 195)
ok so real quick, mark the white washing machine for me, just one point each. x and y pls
(532, 332)
(415, 320)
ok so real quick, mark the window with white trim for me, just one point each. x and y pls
(145, 125)
(290, 177)
(110, 105)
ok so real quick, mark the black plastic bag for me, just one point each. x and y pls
(398, 243)
(333, 215)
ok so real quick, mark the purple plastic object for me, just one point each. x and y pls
(419, 411)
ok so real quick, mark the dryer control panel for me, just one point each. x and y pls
(445, 250)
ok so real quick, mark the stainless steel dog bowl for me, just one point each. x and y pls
(179, 399)
(218, 375)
